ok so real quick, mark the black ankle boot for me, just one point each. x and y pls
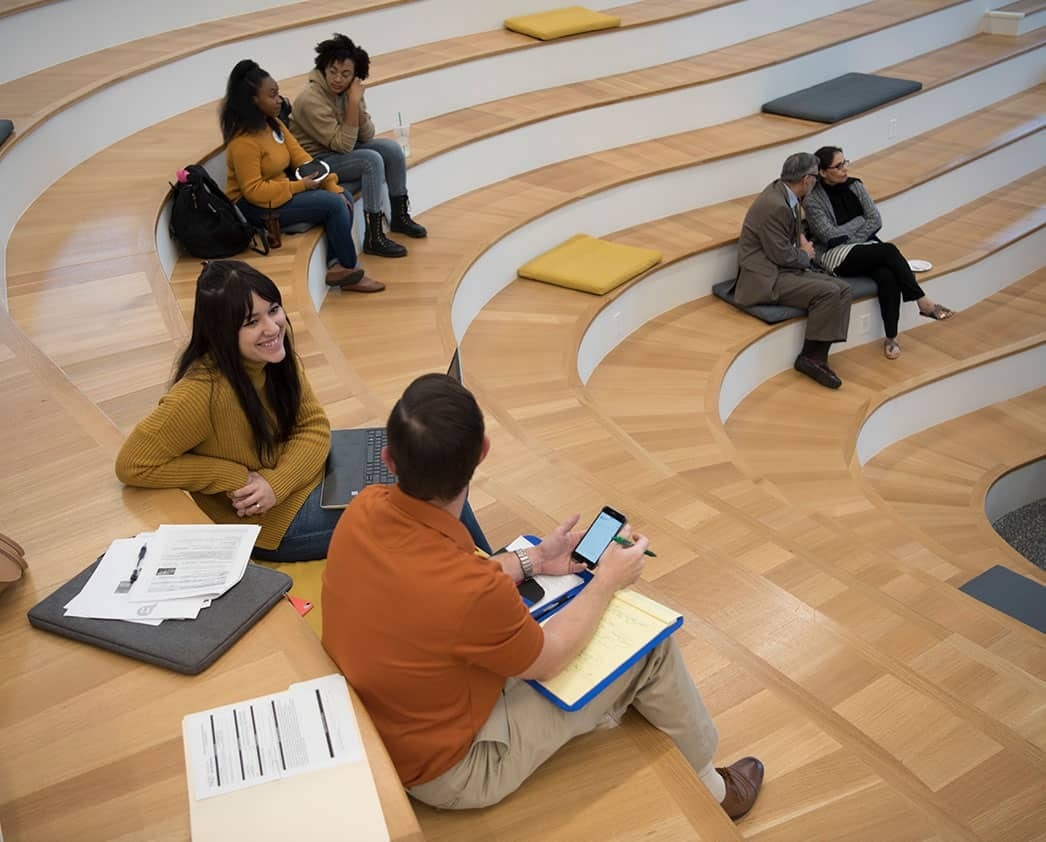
(375, 242)
(401, 221)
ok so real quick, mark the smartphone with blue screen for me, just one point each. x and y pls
(598, 537)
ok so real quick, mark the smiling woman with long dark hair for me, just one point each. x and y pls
(240, 428)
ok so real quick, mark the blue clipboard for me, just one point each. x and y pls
(546, 611)
(611, 678)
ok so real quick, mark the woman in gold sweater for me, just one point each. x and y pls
(259, 149)
(240, 428)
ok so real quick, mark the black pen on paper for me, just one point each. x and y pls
(138, 567)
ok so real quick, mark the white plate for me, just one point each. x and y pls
(920, 265)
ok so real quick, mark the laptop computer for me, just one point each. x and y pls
(355, 462)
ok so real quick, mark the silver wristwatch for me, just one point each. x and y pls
(525, 564)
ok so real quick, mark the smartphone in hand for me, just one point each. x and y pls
(313, 169)
(598, 537)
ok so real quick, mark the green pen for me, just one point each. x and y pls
(624, 542)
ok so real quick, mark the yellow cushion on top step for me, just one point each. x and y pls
(559, 23)
(589, 264)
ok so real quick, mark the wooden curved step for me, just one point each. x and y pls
(936, 480)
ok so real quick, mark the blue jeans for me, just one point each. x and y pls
(309, 534)
(375, 163)
(314, 207)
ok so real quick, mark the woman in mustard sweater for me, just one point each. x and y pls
(240, 428)
(258, 151)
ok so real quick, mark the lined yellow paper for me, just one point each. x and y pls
(631, 621)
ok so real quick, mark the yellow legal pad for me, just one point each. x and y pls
(589, 264)
(559, 23)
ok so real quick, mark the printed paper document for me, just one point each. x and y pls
(310, 726)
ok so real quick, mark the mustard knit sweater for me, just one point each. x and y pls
(198, 439)
(255, 164)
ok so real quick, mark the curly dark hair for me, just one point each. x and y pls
(339, 48)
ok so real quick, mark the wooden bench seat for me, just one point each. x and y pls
(33, 98)
(468, 125)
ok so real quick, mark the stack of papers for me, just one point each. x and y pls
(170, 574)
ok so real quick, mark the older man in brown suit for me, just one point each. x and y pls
(774, 261)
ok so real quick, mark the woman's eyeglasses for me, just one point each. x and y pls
(842, 165)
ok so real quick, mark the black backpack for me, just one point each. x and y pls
(206, 223)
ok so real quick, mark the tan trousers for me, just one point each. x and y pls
(525, 729)
(826, 299)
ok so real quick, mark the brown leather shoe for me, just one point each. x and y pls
(743, 781)
(339, 275)
(365, 284)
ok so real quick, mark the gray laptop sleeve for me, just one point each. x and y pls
(186, 646)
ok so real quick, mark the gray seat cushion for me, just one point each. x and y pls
(6, 127)
(769, 313)
(842, 97)
(774, 313)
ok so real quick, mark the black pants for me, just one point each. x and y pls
(894, 280)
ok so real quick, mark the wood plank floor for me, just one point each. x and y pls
(828, 612)
(828, 640)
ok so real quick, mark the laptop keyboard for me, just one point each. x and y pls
(376, 472)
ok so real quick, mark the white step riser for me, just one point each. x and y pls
(942, 400)
(693, 278)
(717, 181)
(963, 288)
(564, 62)
(1015, 489)
(582, 133)
(63, 31)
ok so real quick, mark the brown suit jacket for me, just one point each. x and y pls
(768, 247)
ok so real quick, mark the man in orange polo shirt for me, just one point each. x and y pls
(434, 638)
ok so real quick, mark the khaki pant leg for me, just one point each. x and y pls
(525, 729)
(825, 298)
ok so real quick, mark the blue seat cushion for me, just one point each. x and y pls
(6, 127)
(842, 97)
(774, 313)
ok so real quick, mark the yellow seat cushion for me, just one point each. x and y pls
(589, 264)
(561, 22)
